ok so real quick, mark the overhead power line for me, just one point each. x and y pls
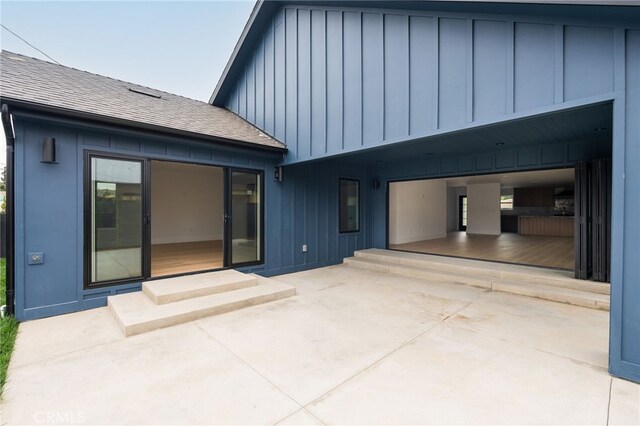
(29, 44)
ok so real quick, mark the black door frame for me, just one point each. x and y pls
(462, 227)
(146, 217)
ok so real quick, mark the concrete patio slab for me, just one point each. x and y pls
(332, 334)
(51, 337)
(353, 347)
(572, 331)
(300, 418)
(625, 403)
(458, 376)
(177, 375)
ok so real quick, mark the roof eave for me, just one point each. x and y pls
(219, 94)
(135, 125)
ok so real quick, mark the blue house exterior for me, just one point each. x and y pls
(375, 92)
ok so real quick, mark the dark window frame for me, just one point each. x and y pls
(146, 222)
(349, 231)
(86, 193)
(229, 217)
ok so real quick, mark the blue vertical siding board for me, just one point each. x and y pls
(260, 87)
(372, 78)
(627, 289)
(509, 67)
(269, 82)
(534, 65)
(300, 217)
(352, 80)
(588, 56)
(291, 80)
(279, 77)
(312, 191)
(334, 82)
(396, 76)
(318, 83)
(558, 80)
(304, 83)
(242, 96)
(453, 72)
(251, 90)
(489, 69)
(422, 57)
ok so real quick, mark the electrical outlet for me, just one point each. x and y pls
(35, 258)
(304, 248)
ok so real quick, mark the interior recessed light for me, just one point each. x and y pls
(499, 143)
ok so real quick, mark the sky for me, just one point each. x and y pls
(176, 46)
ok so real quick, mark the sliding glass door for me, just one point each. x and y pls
(116, 220)
(245, 217)
(145, 218)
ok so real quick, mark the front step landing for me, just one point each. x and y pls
(174, 301)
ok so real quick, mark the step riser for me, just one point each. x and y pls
(434, 266)
(205, 291)
(585, 298)
(588, 286)
(421, 274)
(591, 287)
(584, 302)
(155, 324)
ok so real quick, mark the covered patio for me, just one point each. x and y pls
(353, 347)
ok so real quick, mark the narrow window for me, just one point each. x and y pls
(349, 205)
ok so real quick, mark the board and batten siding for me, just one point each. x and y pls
(329, 81)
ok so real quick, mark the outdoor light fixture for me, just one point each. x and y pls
(277, 175)
(49, 151)
(376, 183)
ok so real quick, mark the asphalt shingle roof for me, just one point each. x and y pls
(46, 84)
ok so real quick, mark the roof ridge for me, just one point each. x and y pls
(4, 51)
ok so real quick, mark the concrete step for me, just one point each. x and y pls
(420, 261)
(136, 313)
(449, 277)
(190, 286)
(477, 268)
(554, 293)
(541, 283)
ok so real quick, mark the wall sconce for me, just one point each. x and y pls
(49, 151)
(277, 174)
(376, 183)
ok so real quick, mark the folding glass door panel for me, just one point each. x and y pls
(245, 217)
(116, 220)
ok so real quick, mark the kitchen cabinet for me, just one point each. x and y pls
(533, 197)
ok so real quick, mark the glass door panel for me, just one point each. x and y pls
(116, 228)
(246, 217)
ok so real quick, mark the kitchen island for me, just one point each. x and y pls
(549, 226)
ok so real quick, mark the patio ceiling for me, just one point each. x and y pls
(586, 124)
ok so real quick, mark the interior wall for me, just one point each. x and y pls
(453, 195)
(417, 211)
(186, 203)
(483, 208)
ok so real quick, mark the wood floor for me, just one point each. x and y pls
(177, 258)
(554, 252)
